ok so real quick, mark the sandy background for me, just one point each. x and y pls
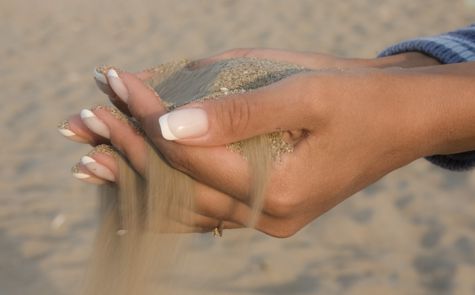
(411, 233)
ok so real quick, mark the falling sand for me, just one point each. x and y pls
(137, 240)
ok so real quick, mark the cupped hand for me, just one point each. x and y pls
(349, 141)
(357, 124)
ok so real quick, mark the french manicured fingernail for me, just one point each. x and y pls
(97, 169)
(66, 131)
(78, 174)
(185, 123)
(117, 85)
(94, 123)
(100, 76)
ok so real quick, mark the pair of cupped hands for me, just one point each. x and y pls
(352, 118)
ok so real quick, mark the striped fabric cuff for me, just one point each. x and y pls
(452, 47)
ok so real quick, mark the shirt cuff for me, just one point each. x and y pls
(452, 47)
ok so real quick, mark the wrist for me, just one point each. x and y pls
(403, 60)
(441, 107)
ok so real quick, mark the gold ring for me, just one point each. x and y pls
(218, 230)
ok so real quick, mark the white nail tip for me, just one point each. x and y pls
(87, 114)
(81, 175)
(117, 85)
(112, 74)
(87, 160)
(100, 76)
(165, 128)
(94, 124)
(97, 169)
(66, 132)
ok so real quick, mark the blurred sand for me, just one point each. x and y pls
(411, 233)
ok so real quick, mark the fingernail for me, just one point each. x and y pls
(66, 131)
(100, 76)
(78, 174)
(97, 169)
(81, 175)
(117, 85)
(185, 123)
(94, 123)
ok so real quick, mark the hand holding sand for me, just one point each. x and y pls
(343, 141)
(348, 143)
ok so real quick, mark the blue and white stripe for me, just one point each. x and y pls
(453, 47)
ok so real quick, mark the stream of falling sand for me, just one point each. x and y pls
(135, 242)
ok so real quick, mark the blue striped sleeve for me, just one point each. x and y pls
(453, 47)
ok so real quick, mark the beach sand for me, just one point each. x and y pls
(413, 232)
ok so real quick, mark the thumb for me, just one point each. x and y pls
(279, 107)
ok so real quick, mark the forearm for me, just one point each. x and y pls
(403, 60)
(448, 48)
(451, 120)
(441, 100)
(442, 107)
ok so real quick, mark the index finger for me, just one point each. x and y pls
(100, 77)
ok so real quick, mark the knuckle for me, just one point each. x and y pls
(173, 159)
(239, 115)
(285, 230)
(179, 160)
(282, 205)
(138, 110)
(236, 115)
(119, 142)
(284, 234)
